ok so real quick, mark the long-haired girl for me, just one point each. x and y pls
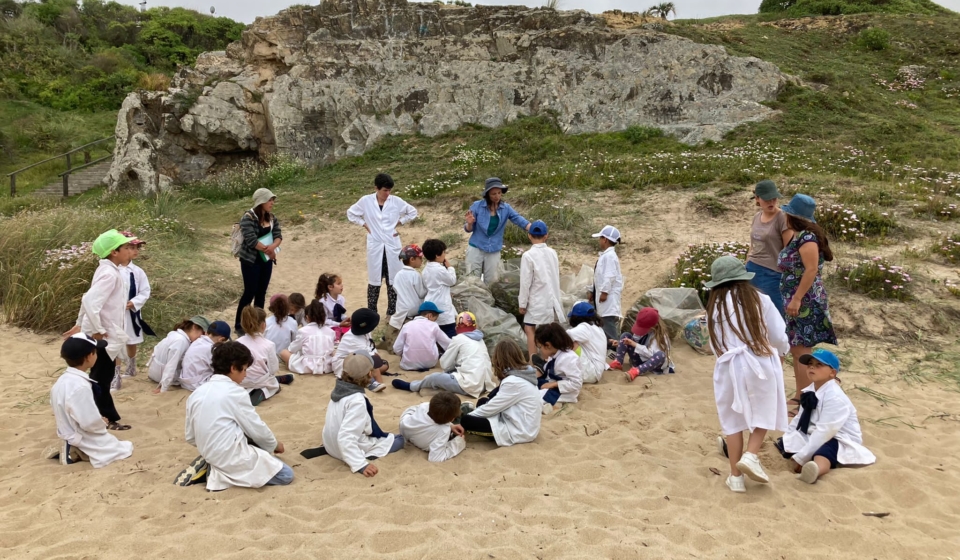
(262, 380)
(330, 293)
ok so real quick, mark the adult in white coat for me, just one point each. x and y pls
(380, 214)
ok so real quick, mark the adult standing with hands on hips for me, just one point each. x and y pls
(380, 214)
(486, 221)
(258, 251)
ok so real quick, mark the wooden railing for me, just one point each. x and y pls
(70, 168)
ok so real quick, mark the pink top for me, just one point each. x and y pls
(417, 344)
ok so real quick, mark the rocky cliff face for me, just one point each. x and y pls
(324, 82)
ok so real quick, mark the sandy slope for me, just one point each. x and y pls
(623, 474)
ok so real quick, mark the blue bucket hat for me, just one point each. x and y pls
(582, 309)
(823, 356)
(538, 228)
(801, 206)
(429, 306)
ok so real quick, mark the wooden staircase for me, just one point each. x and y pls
(79, 182)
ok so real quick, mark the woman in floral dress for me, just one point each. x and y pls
(801, 261)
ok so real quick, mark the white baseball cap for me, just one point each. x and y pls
(610, 232)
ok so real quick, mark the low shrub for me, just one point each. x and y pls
(640, 134)
(948, 248)
(875, 278)
(874, 38)
(849, 224)
(709, 204)
(938, 208)
(692, 268)
(248, 176)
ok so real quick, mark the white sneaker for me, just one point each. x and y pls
(131, 369)
(375, 387)
(749, 463)
(736, 484)
(810, 472)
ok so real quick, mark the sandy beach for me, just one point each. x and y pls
(625, 473)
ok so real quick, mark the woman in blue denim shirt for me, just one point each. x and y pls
(486, 221)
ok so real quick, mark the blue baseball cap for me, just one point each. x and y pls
(219, 328)
(582, 309)
(825, 357)
(538, 228)
(429, 306)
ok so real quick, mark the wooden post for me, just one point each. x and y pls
(86, 156)
(66, 185)
(13, 185)
(68, 163)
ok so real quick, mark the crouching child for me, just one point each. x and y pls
(429, 426)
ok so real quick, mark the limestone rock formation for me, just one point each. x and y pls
(324, 82)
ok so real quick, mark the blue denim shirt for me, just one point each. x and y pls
(493, 243)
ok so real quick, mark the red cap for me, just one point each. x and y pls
(647, 318)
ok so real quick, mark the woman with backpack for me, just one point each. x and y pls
(256, 242)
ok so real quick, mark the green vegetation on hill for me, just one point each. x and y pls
(799, 8)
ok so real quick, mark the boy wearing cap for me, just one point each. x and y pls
(590, 341)
(539, 299)
(409, 287)
(138, 292)
(466, 364)
(102, 317)
(350, 432)
(417, 344)
(608, 282)
(197, 365)
(358, 339)
(438, 278)
(79, 424)
(166, 362)
(826, 432)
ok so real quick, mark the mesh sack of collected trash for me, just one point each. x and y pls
(496, 324)
(469, 287)
(506, 290)
(677, 307)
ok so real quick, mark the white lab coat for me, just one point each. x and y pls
(79, 422)
(410, 294)
(220, 418)
(469, 362)
(514, 412)
(567, 367)
(835, 417)
(262, 373)
(313, 349)
(165, 363)
(749, 388)
(437, 280)
(346, 433)
(283, 334)
(350, 343)
(143, 294)
(197, 364)
(593, 350)
(328, 304)
(103, 307)
(540, 286)
(417, 344)
(608, 279)
(383, 234)
(418, 428)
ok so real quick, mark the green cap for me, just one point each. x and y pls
(727, 269)
(766, 190)
(109, 241)
(200, 322)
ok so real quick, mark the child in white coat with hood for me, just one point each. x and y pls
(313, 349)
(562, 379)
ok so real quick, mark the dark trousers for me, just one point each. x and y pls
(373, 292)
(477, 426)
(256, 279)
(102, 374)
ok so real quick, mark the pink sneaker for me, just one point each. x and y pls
(616, 365)
(633, 373)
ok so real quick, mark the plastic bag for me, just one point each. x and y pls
(496, 324)
(506, 290)
(468, 287)
(697, 335)
(677, 307)
(574, 288)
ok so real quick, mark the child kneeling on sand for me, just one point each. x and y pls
(825, 434)
(79, 424)
(429, 427)
(220, 421)
(350, 432)
(510, 414)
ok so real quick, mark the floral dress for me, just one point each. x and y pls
(812, 325)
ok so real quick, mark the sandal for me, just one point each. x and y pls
(117, 426)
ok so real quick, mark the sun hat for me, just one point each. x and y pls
(823, 356)
(466, 322)
(363, 321)
(582, 309)
(357, 366)
(610, 232)
(647, 318)
(766, 190)
(219, 328)
(79, 346)
(411, 251)
(801, 206)
(538, 228)
(136, 241)
(727, 269)
(262, 195)
(429, 306)
(108, 242)
(494, 183)
(201, 322)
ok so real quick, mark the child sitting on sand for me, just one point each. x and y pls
(589, 338)
(428, 426)
(562, 379)
(358, 339)
(825, 434)
(510, 414)
(313, 349)
(235, 444)
(647, 344)
(350, 432)
(165, 364)
(261, 379)
(281, 326)
(198, 359)
(417, 343)
(79, 424)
